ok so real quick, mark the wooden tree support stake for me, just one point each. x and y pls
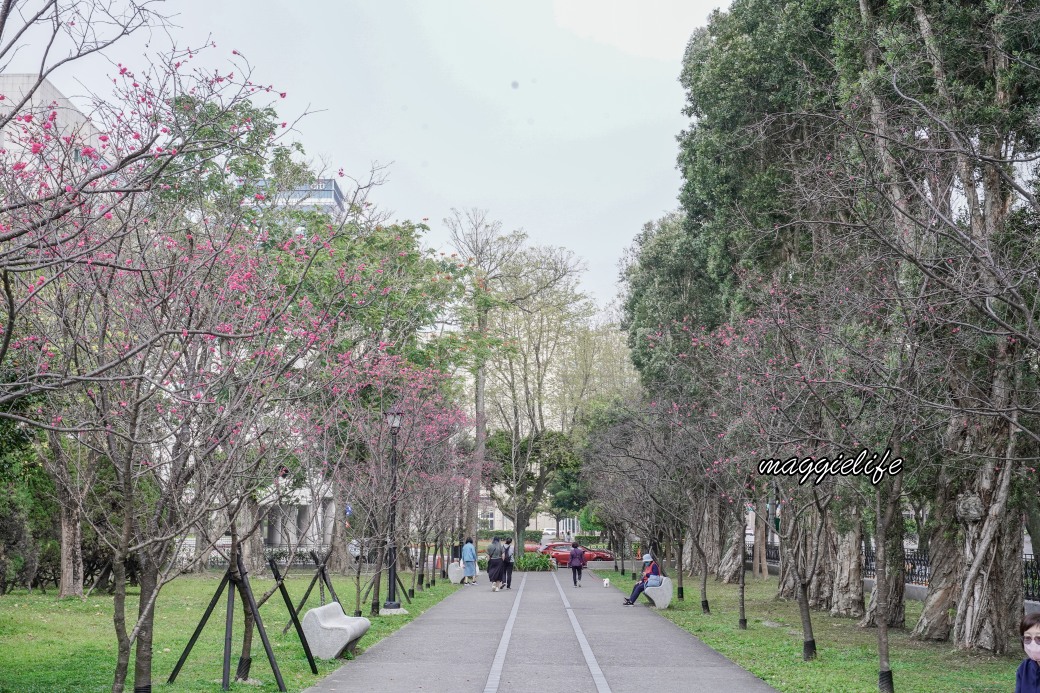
(293, 615)
(242, 583)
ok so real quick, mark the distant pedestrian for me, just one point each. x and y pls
(469, 562)
(1027, 680)
(510, 560)
(496, 564)
(651, 578)
(576, 562)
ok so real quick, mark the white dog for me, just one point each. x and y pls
(606, 582)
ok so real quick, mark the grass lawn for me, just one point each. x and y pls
(47, 645)
(771, 647)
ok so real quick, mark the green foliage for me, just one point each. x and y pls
(567, 491)
(587, 540)
(530, 535)
(28, 514)
(750, 77)
(531, 562)
(521, 470)
(589, 521)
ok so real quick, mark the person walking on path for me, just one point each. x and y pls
(510, 560)
(576, 562)
(651, 578)
(469, 562)
(496, 566)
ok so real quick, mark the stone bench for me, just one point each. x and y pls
(660, 597)
(455, 573)
(330, 632)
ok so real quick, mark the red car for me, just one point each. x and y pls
(560, 551)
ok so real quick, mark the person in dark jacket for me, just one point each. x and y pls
(496, 566)
(576, 562)
(510, 559)
(651, 578)
(1027, 680)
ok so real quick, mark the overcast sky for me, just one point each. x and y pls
(559, 117)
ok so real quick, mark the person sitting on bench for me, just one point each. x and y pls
(651, 578)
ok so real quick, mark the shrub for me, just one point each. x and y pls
(482, 563)
(529, 535)
(588, 540)
(533, 562)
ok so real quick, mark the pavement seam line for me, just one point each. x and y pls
(586, 649)
(495, 675)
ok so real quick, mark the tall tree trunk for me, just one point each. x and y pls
(420, 576)
(886, 510)
(989, 604)
(732, 565)
(71, 584)
(934, 622)
(710, 533)
(377, 580)
(759, 565)
(70, 514)
(791, 549)
(479, 432)
(680, 592)
(848, 573)
(339, 560)
(148, 580)
(119, 621)
(808, 639)
(521, 520)
(252, 545)
(245, 657)
(987, 611)
(891, 567)
(821, 582)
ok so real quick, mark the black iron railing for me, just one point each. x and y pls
(917, 567)
(772, 552)
(1031, 577)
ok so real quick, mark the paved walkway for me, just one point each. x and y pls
(543, 635)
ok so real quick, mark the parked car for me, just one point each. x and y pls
(548, 532)
(560, 552)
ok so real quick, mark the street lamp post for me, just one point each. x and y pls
(393, 420)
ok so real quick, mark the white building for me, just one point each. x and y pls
(321, 195)
(44, 97)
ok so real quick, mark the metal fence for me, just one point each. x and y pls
(1031, 577)
(772, 552)
(917, 567)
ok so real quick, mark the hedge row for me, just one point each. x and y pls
(529, 535)
(589, 540)
(528, 562)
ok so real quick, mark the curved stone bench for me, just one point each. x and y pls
(330, 632)
(660, 597)
(455, 573)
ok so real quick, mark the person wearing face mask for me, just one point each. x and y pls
(651, 578)
(1027, 680)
